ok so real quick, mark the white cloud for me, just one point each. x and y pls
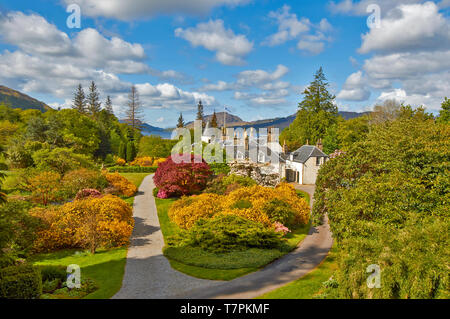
(360, 7)
(142, 9)
(311, 37)
(230, 48)
(88, 56)
(409, 28)
(355, 88)
(256, 77)
(412, 57)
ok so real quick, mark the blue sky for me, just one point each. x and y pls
(254, 57)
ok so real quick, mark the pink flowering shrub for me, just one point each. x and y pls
(88, 192)
(280, 228)
(162, 194)
(179, 179)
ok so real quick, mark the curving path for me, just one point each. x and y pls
(148, 273)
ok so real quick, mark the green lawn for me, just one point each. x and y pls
(310, 285)
(106, 267)
(202, 264)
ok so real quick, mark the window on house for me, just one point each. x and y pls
(317, 161)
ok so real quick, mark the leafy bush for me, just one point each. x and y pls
(188, 210)
(88, 223)
(387, 201)
(17, 229)
(61, 160)
(178, 179)
(50, 273)
(280, 211)
(224, 233)
(45, 187)
(89, 192)
(120, 162)
(226, 184)
(123, 185)
(20, 282)
(246, 202)
(220, 168)
(83, 178)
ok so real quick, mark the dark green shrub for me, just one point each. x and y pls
(224, 233)
(6, 260)
(280, 211)
(155, 192)
(220, 168)
(20, 282)
(50, 286)
(225, 184)
(50, 273)
(242, 204)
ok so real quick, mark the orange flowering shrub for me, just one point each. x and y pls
(158, 161)
(88, 223)
(120, 161)
(186, 211)
(45, 186)
(145, 161)
(248, 202)
(123, 185)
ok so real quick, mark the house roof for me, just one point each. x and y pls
(305, 152)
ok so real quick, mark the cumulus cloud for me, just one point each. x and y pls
(360, 7)
(141, 9)
(411, 58)
(409, 28)
(56, 64)
(311, 37)
(230, 48)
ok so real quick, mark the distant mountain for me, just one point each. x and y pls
(18, 100)
(280, 122)
(235, 121)
(230, 119)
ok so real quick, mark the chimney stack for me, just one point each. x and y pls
(319, 144)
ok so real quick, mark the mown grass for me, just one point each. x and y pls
(105, 267)
(198, 263)
(309, 286)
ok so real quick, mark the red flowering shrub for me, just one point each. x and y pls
(180, 179)
(88, 192)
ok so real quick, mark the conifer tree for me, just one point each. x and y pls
(108, 105)
(200, 113)
(214, 120)
(79, 101)
(180, 121)
(93, 100)
(134, 111)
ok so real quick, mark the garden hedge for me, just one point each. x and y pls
(20, 282)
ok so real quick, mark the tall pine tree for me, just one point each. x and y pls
(200, 113)
(214, 120)
(134, 111)
(180, 121)
(317, 113)
(108, 105)
(79, 101)
(93, 100)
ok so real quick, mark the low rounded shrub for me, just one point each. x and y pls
(123, 185)
(224, 233)
(20, 282)
(50, 273)
(186, 211)
(83, 178)
(179, 179)
(88, 223)
(280, 211)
